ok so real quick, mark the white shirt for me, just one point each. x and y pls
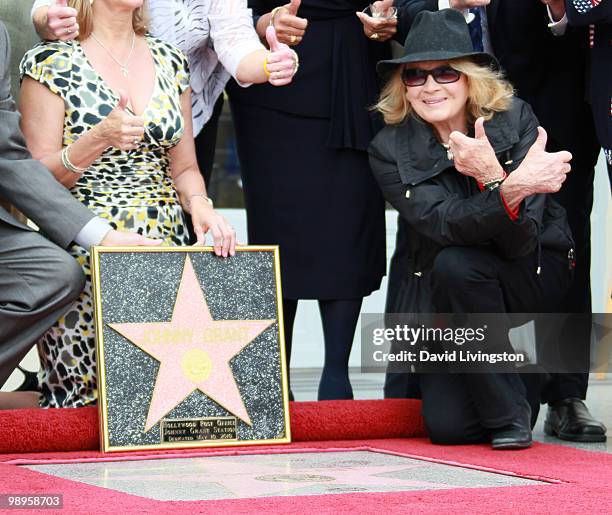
(215, 35)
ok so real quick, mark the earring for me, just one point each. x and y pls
(91, 2)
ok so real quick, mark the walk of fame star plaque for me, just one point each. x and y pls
(190, 347)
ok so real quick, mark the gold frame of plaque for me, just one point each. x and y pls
(222, 426)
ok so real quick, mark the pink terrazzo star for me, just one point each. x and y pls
(194, 351)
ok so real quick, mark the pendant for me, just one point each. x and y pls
(124, 71)
(449, 153)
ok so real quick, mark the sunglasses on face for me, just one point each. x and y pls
(442, 75)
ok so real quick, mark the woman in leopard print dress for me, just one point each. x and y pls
(135, 170)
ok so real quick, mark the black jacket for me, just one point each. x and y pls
(600, 84)
(444, 208)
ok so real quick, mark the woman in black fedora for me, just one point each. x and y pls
(464, 163)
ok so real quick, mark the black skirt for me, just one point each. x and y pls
(322, 206)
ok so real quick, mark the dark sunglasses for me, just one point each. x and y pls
(442, 75)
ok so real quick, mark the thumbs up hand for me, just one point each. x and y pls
(61, 22)
(290, 28)
(121, 129)
(281, 62)
(475, 156)
(541, 171)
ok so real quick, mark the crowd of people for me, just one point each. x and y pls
(483, 134)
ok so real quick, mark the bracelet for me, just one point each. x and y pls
(297, 62)
(68, 164)
(491, 185)
(207, 199)
(273, 14)
(265, 66)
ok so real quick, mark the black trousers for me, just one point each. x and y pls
(205, 145)
(576, 197)
(463, 408)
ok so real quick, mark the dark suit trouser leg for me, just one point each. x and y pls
(576, 196)
(38, 283)
(476, 280)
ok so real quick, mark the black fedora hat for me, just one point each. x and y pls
(437, 36)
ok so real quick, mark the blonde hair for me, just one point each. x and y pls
(86, 23)
(488, 93)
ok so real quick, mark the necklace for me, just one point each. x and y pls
(449, 152)
(123, 66)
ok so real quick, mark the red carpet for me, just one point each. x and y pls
(56, 430)
(579, 481)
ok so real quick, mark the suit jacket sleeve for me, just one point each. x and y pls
(577, 15)
(26, 183)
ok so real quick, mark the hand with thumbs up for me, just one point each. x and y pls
(120, 129)
(290, 28)
(380, 26)
(57, 21)
(281, 62)
(475, 156)
(541, 171)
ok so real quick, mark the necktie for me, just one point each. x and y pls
(476, 29)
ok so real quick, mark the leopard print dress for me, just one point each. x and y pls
(132, 190)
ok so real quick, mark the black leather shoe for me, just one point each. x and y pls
(516, 435)
(570, 419)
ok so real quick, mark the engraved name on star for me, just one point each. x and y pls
(193, 351)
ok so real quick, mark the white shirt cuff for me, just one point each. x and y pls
(443, 4)
(40, 3)
(558, 28)
(92, 233)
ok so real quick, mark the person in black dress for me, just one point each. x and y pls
(307, 181)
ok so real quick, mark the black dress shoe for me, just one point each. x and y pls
(517, 434)
(570, 419)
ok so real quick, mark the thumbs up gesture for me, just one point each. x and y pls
(121, 129)
(290, 28)
(61, 22)
(541, 171)
(281, 62)
(475, 156)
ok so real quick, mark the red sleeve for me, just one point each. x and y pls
(513, 214)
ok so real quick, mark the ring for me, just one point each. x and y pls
(136, 141)
(69, 31)
(374, 36)
(293, 38)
